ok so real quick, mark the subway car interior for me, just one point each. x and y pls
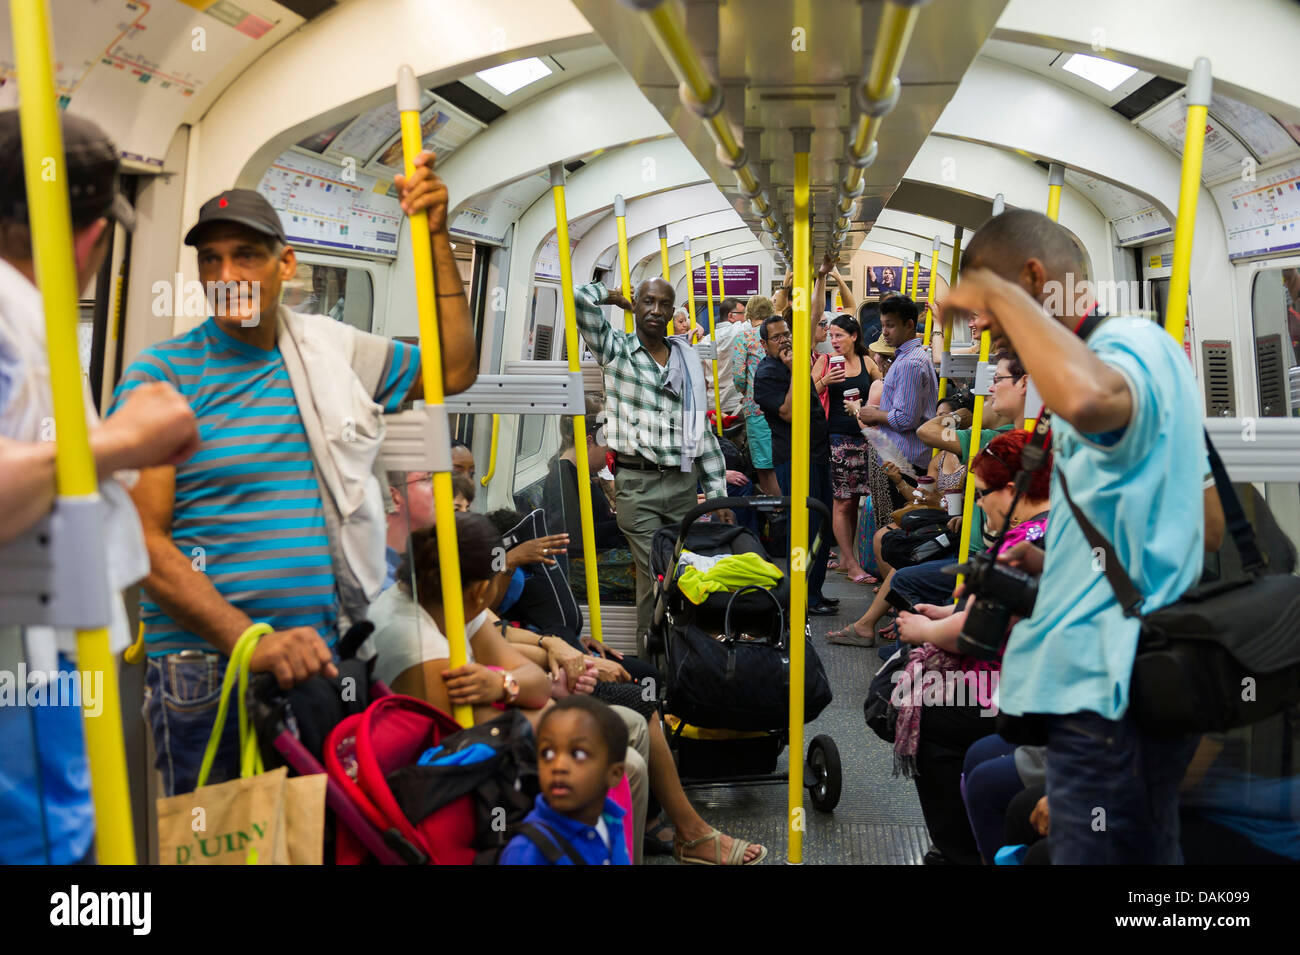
(843, 165)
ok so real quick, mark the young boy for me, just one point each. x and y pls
(580, 747)
(462, 492)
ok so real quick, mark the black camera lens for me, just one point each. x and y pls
(985, 631)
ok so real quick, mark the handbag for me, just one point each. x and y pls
(1227, 653)
(729, 682)
(261, 818)
(878, 708)
(922, 536)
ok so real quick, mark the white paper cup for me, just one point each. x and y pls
(953, 501)
(852, 394)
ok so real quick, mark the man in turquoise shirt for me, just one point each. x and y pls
(1127, 433)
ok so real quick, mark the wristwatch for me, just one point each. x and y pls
(509, 684)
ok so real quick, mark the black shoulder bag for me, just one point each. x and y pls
(1225, 654)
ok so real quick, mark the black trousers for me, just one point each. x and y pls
(946, 733)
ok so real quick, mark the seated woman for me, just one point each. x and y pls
(949, 475)
(616, 569)
(930, 741)
(412, 657)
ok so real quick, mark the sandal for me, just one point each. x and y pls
(848, 637)
(659, 838)
(736, 857)
(863, 578)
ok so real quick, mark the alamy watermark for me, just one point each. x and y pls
(23, 687)
(194, 299)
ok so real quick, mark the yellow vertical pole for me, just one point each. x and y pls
(929, 295)
(579, 420)
(916, 274)
(690, 279)
(492, 452)
(663, 252)
(977, 425)
(713, 338)
(722, 288)
(50, 219)
(799, 474)
(952, 281)
(1055, 183)
(1198, 100)
(426, 301)
(620, 216)
(902, 282)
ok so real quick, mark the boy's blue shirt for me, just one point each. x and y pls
(584, 838)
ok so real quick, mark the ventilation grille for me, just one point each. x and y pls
(1219, 385)
(542, 344)
(1272, 376)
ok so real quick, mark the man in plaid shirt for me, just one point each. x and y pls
(644, 423)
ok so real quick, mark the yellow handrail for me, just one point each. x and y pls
(799, 480)
(583, 466)
(916, 274)
(977, 426)
(929, 297)
(690, 280)
(713, 338)
(876, 96)
(663, 252)
(75, 478)
(426, 301)
(492, 452)
(952, 281)
(1198, 100)
(1055, 183)
(620, 217)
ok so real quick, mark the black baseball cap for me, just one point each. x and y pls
(92, 165)
(245, 207)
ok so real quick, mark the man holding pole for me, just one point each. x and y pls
(46, 815)
(279, 517)
(655, 421)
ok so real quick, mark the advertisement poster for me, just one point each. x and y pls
(741, 281)
(889, 278)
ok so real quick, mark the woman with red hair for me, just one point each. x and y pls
(930, 742)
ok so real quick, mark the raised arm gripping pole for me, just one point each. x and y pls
(579, 420)
(1198, 102)
(663, 253)
(78, 488)
(426, 300)
(713, 338)
(799, 474)
(625, 276)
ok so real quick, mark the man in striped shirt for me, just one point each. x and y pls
(911, 386)
(645, 422)
(238, 533)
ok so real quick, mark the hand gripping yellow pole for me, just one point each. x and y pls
(620, 216)
(426, 301)
(713, 338)
(690, 279)
(579, 420)
(663, 252)
(799, 471)
(56, 276)
(1198, 101)
(916, 274)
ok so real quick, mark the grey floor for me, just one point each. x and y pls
(878, 820)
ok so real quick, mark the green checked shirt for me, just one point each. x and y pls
(641, 415)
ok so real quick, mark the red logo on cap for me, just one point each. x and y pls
(222, 203)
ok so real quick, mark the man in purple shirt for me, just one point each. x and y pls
(911, 386)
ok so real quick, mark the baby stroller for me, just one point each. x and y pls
(727, 663)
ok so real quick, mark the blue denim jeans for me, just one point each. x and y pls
(1112, 791)
(181, 695)
(925, 583)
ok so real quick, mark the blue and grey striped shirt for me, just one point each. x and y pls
(247, 508)
(909, 396)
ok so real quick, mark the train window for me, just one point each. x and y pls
(1159, 298)
(543, 323)
(344, 294)
(1275, 319)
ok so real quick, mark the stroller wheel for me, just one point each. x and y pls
(824, 776)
